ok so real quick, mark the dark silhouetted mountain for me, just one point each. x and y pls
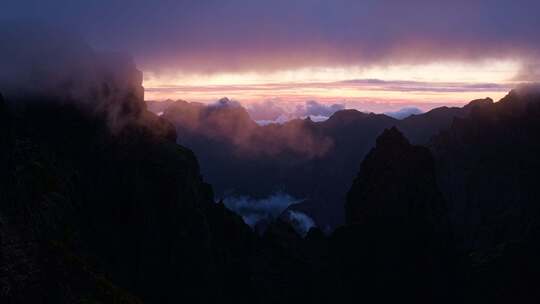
(488, 170)
(420, 128)
(100, 203)
(313, 161)
(396, 217)
(396, 179)
(101, 211)
(95, 214)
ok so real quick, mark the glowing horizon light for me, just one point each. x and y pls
(451, 82)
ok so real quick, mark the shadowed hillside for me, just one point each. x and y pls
(312, 161)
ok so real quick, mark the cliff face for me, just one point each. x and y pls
(92, 208)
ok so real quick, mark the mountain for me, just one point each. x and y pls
(455, 220)
(487, 169)
(396, 180)
(311, 161)
(95, 210)
(397, 218)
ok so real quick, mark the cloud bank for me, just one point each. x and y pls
(52, 64)
(230, 124)
(240, 35)
(263, 211)
(268, 112)
(404, 113)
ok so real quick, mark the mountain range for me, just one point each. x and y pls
(314, 162)
(99, 203)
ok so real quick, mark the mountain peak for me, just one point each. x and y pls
(395, 179)
(392, 137)
(479, 102)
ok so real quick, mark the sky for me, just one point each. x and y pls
(374, 55)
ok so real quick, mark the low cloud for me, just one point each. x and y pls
(300, 221)
(269, 112)
(231, 125)
(266, 209)
(263, 211)
(39, 61)
(314, 108)
(279, 120)
(404, 113)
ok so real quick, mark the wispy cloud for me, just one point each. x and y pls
(364, 84)
(372, 95)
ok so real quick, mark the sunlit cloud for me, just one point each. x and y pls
(428, 85)
(425, 52)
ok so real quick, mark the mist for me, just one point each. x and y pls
(41, 63)
(268, 112)
(404, 112)
(193, 36)
(227, 122)
(262, 211)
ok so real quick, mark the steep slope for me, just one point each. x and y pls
(125, 217)
(95, 210)
(488, 168)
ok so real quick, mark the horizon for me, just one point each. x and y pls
(381, 90)
(262, 152)
(374, 56)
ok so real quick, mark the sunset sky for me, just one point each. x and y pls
(371, 55)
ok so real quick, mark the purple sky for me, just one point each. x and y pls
(176, 42)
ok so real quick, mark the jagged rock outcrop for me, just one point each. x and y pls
(96, 214)
(396, 180)
(397, 242)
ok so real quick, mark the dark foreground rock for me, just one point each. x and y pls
(95, 212)
(128, 206)
(397, 237)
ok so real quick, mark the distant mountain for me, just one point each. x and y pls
(312, 161)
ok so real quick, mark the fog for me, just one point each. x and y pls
(40, 63)
(263, 211)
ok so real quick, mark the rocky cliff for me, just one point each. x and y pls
(100, 204)
(397, 237)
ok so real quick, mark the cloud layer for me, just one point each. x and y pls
(234, 35)
(404, 113)
(268, 112)
(52, 64)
